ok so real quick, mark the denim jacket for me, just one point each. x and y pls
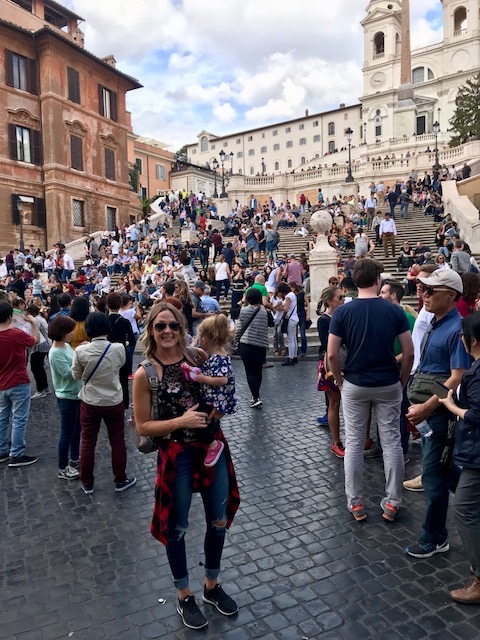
(467, 442)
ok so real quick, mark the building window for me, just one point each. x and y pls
(250, 138)
(73, 78)
(240, 154)
(203, 144)
(276, 147)
(111, 218)
(331, 128)
(315, 123)
(418, 75)
(160, 172)
(251, 152)
(378, 131)
(289, 164)
(460, 21)
(76, 153)
(212, 147)
(331, 146)
(430, 75)
(78, 213)
(302, 141)
(240, 172)
(301, 127)
(139, 165)
(25, 144)
(289, 144)
(287, 130)
(21, 72)
(263, 150)
(107, 103)
(109, 164)
(277, 166)
(225, 144)
(379, 45)
(143, 192)
(302, 160)
(239, 141)
(252, 171)
(345, 115)
(316, 138)
(275, 132)
(194, 151)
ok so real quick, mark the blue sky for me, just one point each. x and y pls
(230, 65)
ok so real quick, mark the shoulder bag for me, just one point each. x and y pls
(98, 364)
(243, 329)
(421, 387)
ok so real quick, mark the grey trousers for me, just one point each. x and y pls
(467, 515)
(386, 402)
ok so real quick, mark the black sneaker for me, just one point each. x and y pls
(87, 488)
(4, 457)
(190, 613)
(426, 549)
(22, 461)
(217, 596)
(122, 486)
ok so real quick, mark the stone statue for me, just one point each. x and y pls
(321, 222)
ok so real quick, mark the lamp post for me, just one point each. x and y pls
(20, 211)
(231, 163)
(215, 167)
(349, 134)
(436, 130)
(222, 160)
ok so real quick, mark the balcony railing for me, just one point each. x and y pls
(460, 32)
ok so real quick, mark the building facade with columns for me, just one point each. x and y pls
(404, 93)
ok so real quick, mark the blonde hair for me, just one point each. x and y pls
(147, 338)
(183, 293)
(325, 297)
(216, 330)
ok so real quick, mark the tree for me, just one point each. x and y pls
(465, 122)
(133, 176)
(182, 153)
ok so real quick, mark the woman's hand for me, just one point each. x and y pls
(448, 402)
(193, 419)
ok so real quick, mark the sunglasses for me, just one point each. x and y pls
(161, 326)
(341, 297)
(430, 291)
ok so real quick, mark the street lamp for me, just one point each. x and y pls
(436, 131)
(231, 162)
(222, 160)
(20, 210)
(215, 167)
(349, 134)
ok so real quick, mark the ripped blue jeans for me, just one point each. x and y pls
(215, 503)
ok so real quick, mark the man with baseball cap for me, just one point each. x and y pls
(444, 356)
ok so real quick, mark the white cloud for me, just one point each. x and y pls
(224, 66)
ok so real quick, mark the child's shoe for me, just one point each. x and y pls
(213, 454)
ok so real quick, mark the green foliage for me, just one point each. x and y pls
(145, 204)
(133, 176)
(465, 122)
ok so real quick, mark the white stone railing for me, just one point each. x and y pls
(464, 212)
(260, 181)
(460, 32)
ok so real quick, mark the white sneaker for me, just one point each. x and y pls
(39, 394)
(69, 473)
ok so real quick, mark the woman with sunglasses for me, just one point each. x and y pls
(181, 452)
(330, 299)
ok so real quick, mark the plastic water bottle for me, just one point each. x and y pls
(424, 429)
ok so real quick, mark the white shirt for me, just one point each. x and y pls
(292, 309)
(3, 270)
(221, 271)
(115, 245)
(422, 324)
(68, 262)
(371, 203)
(388, 226)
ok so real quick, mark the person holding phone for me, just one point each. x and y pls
(467, 455)
(180, 466)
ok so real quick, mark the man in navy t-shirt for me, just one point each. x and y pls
(368, 327)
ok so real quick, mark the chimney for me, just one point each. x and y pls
(306, 113)
(110, 60)
(342, 105)
(79, 37)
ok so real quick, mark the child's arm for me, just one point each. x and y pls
(212, 381)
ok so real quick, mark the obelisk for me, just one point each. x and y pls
(405, 91)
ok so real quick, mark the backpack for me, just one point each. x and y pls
(149, 444)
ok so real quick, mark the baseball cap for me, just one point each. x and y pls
(291, 255)
(199, 284)
(444, 278)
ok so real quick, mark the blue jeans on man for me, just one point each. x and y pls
(436, 481)
(14, 405)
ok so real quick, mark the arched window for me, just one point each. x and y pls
(430, 75)
(331, 128)
(379, 45)
(277, 166)
(331, 146)
(418, 75)
(289, 164)
(203, 144)
(460, 21)
(240, 172)
(317, 156)
(252, 170)
(302, 160)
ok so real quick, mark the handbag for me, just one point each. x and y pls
(243, 329)
(284, 325)
(421, 387)
(270, 319)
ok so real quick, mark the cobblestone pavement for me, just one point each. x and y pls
(87, 568)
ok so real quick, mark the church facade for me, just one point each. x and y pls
(380, 122)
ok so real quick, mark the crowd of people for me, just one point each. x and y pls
(383, 364)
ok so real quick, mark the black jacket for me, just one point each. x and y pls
(467, 442)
